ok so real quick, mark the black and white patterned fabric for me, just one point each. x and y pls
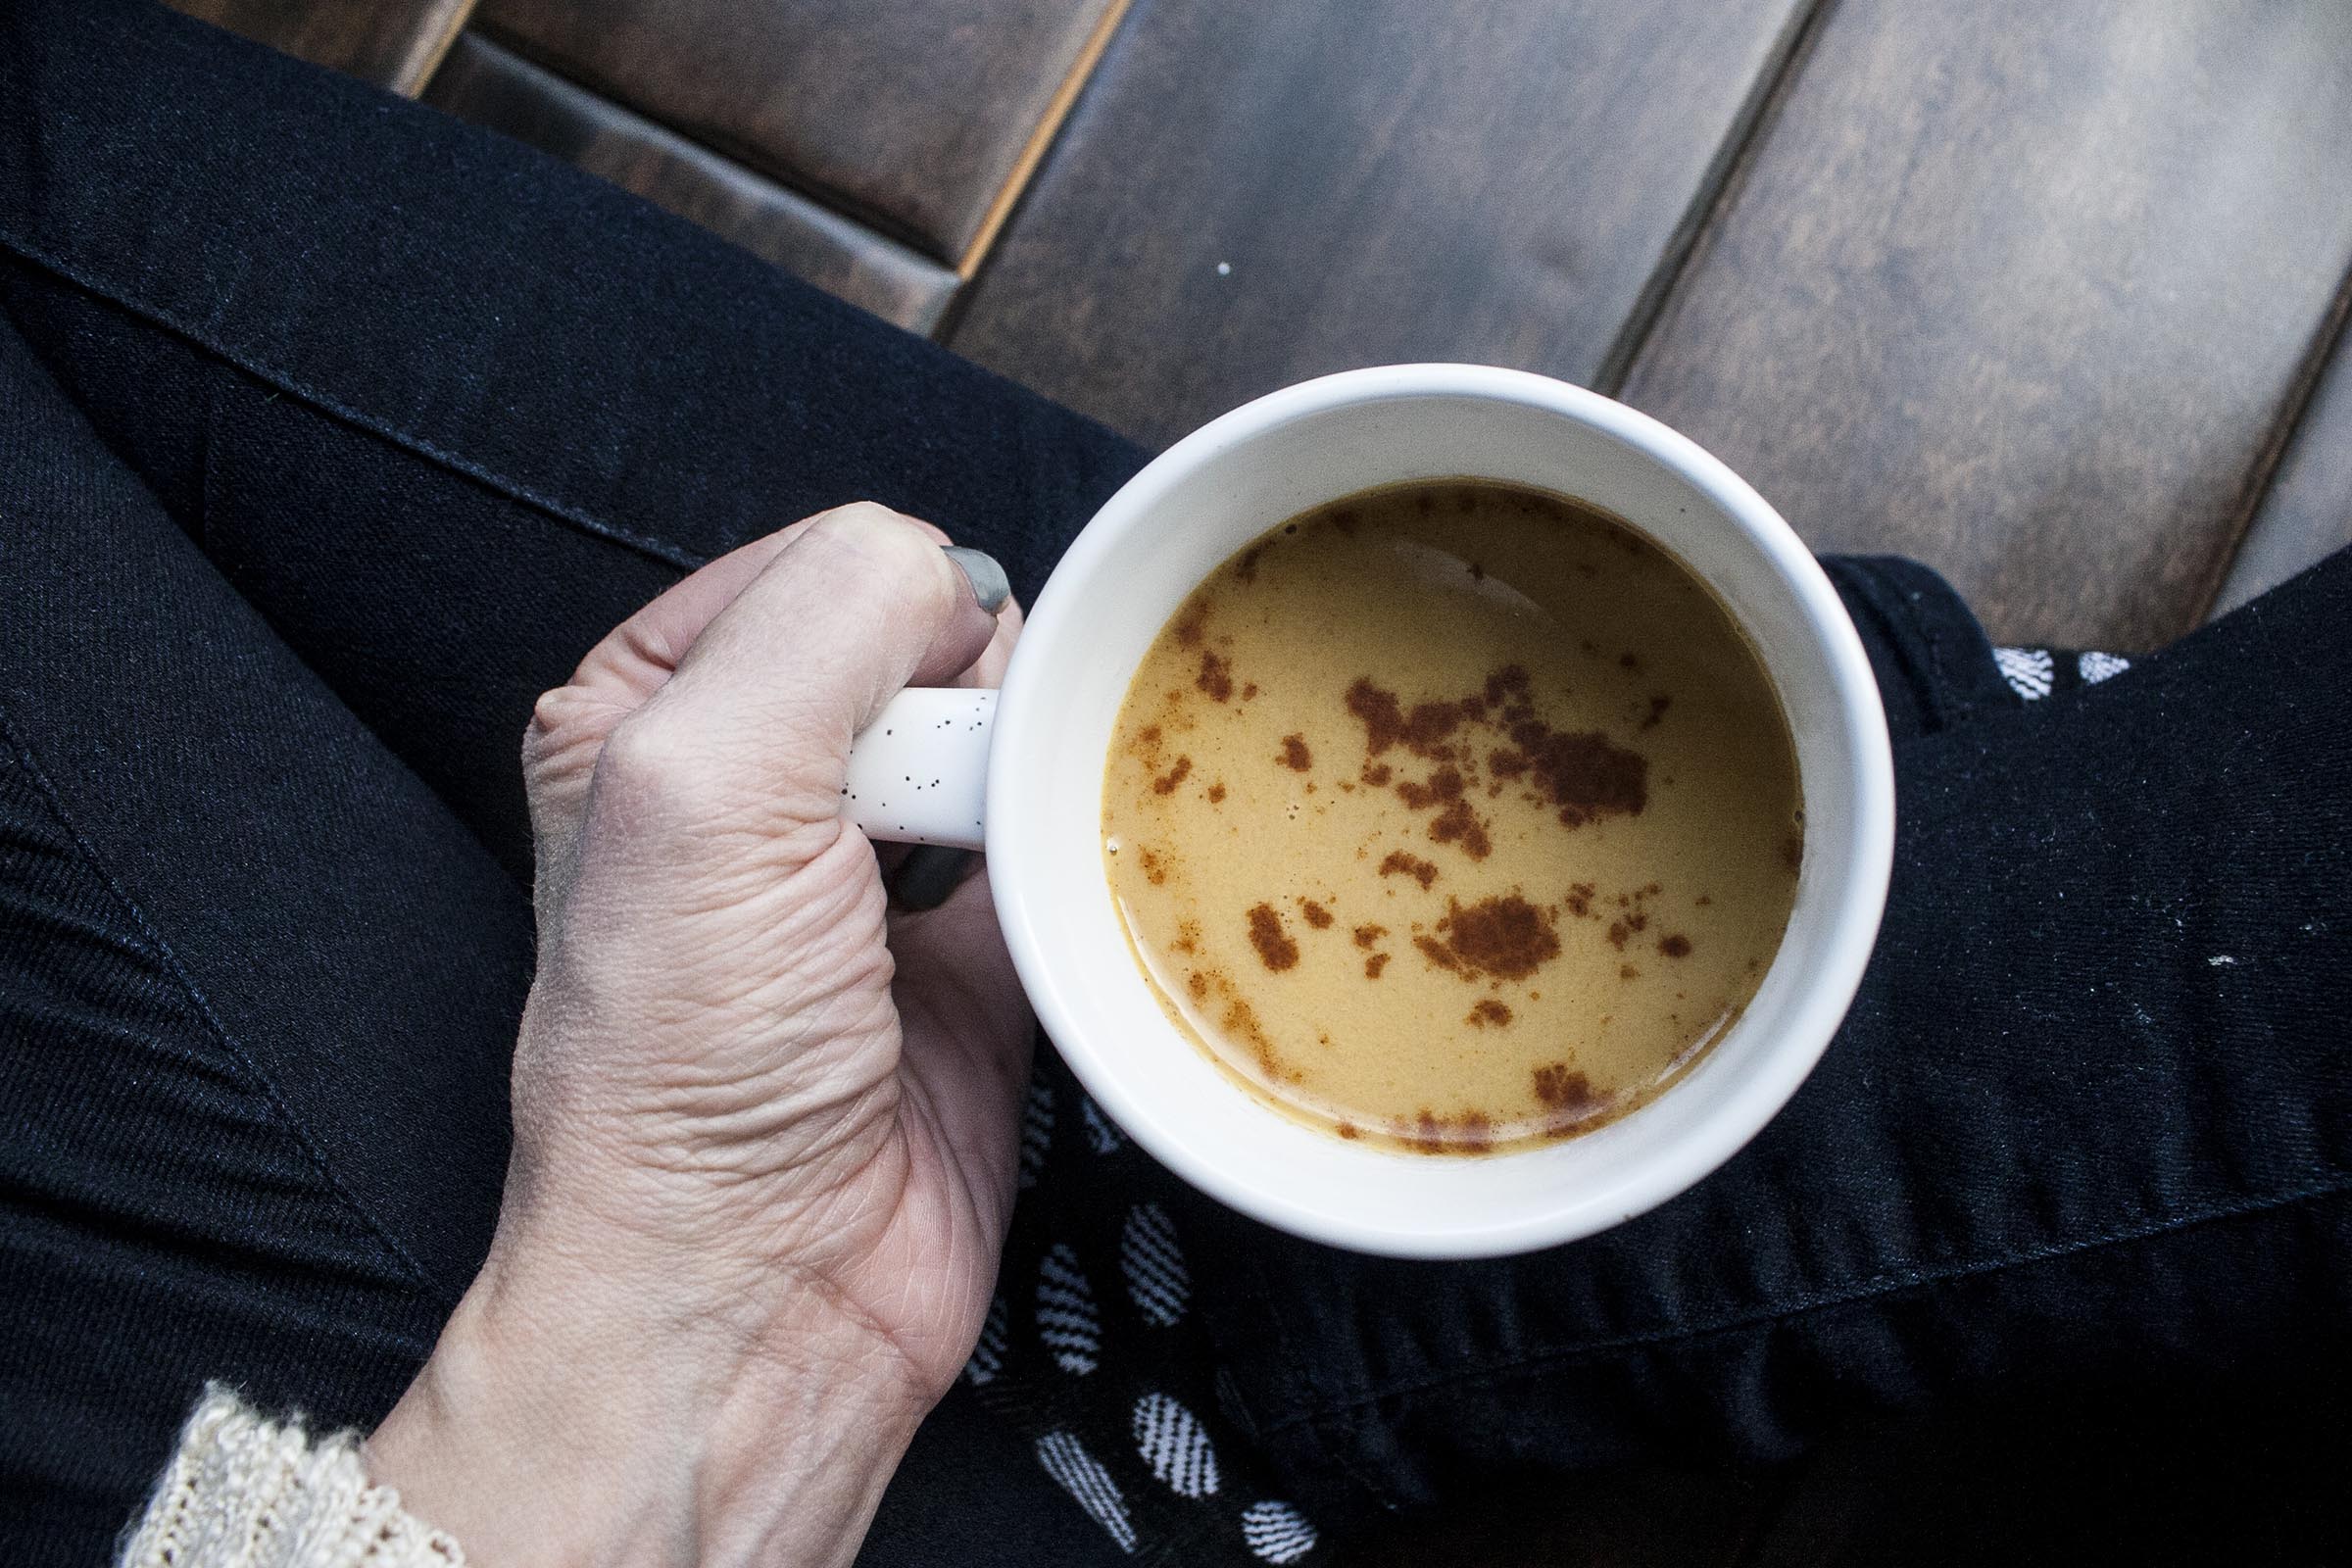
(1091, 1348)
(2035, 673)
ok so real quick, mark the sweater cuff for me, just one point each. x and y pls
(244, 1492)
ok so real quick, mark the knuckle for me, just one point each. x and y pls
(879, 530)
(551, 717)
(651, 768)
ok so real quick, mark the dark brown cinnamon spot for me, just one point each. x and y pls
(1155, 869)
(1627, 661)
(1458, 824)
(1242, 1023)
(1377, 709)
(1375, 774)
(1198, 984)
(1245, 568)
(1445, 784)
(1617, 935)
(1508, 687)
(1386, 723)
(1470, 1133)
(1368, 936)
(1166, 783)
(1657, 711)
(1248, 690)
(1625, 971)
(1316, 915)
(1274, 946)
(1676, 946)
(1488, 1013)
(1582, 773)
(1347, 1129)
(1399, 863)
(1216, 793)
(1374, 964)
(1504, 936)
(1187, 630)
(1216, 675)
(1560, 1087)
(1295, 753)
(1580, 900)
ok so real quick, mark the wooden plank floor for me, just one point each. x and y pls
(1252, 194)
(2024, 290)
(485, 82)
(393, 43)
(2050, 297)
(911, 115)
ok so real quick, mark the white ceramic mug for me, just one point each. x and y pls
(1020, 772)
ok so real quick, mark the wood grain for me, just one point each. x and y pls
(912, 115)
(1381, 180)
(2306, 514)
(394, 43)
(493, 87)
(2022, 290)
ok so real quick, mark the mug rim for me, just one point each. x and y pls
(1834, 971)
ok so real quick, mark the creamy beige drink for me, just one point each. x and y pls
(1452, 817)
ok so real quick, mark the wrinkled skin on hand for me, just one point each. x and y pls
(764, 1125)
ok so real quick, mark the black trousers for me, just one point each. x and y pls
(332, 431)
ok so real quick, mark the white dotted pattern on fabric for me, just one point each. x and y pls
(1173, 1442)
(1153, 1265)
(1277, 1532)
(1083, 1477)
(2096, 666)
(1067, 1319)
(1101, 1135)
(1037, 1131)
(988, 1357)
(2027, 670)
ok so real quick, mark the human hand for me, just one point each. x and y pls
(763, 1157)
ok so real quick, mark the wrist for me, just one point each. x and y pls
(563, 1421)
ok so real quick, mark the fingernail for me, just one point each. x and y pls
(929, 873)
(988, 583)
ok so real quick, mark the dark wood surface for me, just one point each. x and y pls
(2046, 296)
(2024, 290)
(1382, 180)
(394, 43)
(912, 115)
(487, 85)
(2306, 514)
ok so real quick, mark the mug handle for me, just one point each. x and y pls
(918, 773)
